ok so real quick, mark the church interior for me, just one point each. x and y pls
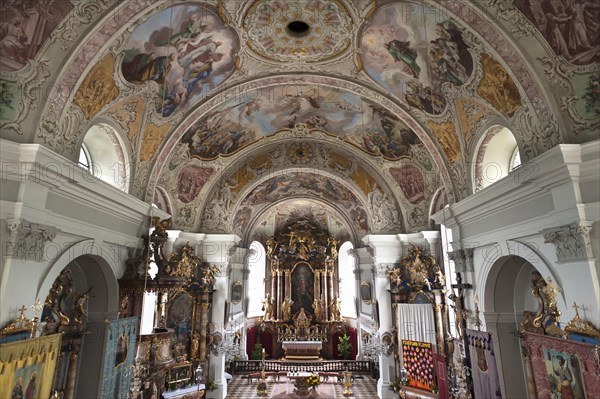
(307, 198)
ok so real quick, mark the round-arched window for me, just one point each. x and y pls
(497, 154)
(103, 154)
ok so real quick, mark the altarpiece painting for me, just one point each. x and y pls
(303, 288)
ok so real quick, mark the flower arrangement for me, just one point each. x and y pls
(398, 384)
(313, 381)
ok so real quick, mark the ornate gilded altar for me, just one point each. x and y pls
(302, 303)
(184, 285)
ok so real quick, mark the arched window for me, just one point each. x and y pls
(256, 280)
(347, 280)
(84, 158)
(515, 160)
(497, 154)
(105, 155)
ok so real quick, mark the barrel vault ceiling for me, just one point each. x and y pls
(238, 116)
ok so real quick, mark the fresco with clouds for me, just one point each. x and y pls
(185, 50)
(412, 50)
(243, 119)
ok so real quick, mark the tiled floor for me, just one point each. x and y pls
(238, 388)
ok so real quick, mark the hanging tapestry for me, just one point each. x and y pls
(119, 353)
(486, 384)
(418, 363)
(27, 367)
(563, 368)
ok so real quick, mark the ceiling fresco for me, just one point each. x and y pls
(326, 34)
(24, 27)
(368, 112)
(303, 185)
(570, 27)
(244, 119)
(186, 50)
(412, 51)
(275, 219)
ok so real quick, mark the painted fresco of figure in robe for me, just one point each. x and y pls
(402, 53)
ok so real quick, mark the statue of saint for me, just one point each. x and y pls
(271, 247)
(317, 308)
(332, 247)
(287, 308)
(268, 307)
(195, 345)
(440, 279)
(336, 314)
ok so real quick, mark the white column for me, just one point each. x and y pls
(387, 371)
(218, 250)
(387, 251)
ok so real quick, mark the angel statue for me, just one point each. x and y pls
(440, 278)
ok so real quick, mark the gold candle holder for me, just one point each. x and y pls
(347, 384)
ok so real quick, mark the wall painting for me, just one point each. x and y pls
(410, 179)
(497, 87)
(98, 88)
(190, 181)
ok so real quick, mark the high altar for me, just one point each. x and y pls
(303, 307)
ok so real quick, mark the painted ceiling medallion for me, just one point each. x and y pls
(300, 153)
(310, 30)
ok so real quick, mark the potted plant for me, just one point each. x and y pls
(211, 385)
(257, 352)
(344, 346)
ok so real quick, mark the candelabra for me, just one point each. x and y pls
(459, 375)
(230, 345)
(373, 346)
(139, 372)
(36, 326)
(347, 384)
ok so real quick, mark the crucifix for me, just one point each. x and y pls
(576, 309)
(459, 305)
(22, 311)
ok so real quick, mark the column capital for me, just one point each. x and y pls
(27, 240)
(463, 259)
(380, 269)
(572, 241)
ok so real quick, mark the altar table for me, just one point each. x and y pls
(194, 391)
(302, 350)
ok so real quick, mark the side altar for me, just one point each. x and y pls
(302, 309)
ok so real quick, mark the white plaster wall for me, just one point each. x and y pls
(510, 217)
(90, 217)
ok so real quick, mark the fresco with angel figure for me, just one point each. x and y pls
(412, 50)
(185, 50)
(243, 119)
